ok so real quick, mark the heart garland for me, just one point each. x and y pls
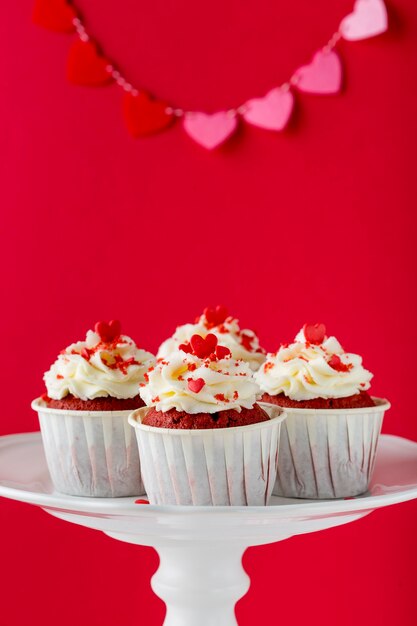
(145, 115)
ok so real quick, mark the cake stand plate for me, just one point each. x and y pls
(200, 577)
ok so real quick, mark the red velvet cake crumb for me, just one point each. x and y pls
(71, 403)
(358, 401)
(221, 419)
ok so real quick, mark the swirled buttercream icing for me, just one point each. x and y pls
(314, 366)
(105, 364)
(200, 376)
(243, 344)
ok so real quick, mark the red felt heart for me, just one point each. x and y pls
(314, 333)
(108, 332)
(222, 352)
(216, 316)
(145, 116)
(56, 15)
(203, 347)
(85, 66)
(196, 385)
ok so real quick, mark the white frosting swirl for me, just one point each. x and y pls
(114, 370)
(228, 384)
(243, 344)
(301, 371)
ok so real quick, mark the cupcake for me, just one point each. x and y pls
(203, 439)
(243, 344)
(91, 389)
(329, 439)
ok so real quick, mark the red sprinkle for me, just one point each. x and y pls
(314, 333)
(86, 354)
(246, 341)
(216, 316)
(222, 352)
(221, 397)
(141, 501)
(196, 385)
(108, 332)
(336, 363)
(59, 376)
(203, 347)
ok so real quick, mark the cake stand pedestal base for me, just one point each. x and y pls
(200, 585)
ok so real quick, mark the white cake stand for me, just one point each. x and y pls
(200, 577)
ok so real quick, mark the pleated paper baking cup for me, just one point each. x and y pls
(224, 466)
(328, 453)
(90, 453)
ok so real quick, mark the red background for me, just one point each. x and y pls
(316, 223)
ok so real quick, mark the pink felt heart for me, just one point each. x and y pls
(271, 112)
(210, 130)
(323, 75)
(369, 18)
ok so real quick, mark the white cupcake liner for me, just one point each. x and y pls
(225, 466)
(90, 453)
(328, 453)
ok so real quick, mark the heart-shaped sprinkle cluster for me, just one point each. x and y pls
(314, 333)
(205, 348)
(216, 316)
(108, 331)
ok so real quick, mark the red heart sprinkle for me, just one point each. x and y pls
(108, 332)
(222, 352)
(145, 116)
(85, 353)
(336, 363)
(203, 347)
(246, 341)
(185, 347)
(56, 15)
(314, 333)
(85, 66)
(216, 316)
(196, 385)
(141, 502)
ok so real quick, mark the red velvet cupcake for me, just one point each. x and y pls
(204, 440)
(329, 439)
(91, 389)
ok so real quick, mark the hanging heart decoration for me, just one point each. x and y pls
(271, 112)
(210, 130)
(85, 66)
(322, 76)
(368, 19)
(145, 115)
(55, 15)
